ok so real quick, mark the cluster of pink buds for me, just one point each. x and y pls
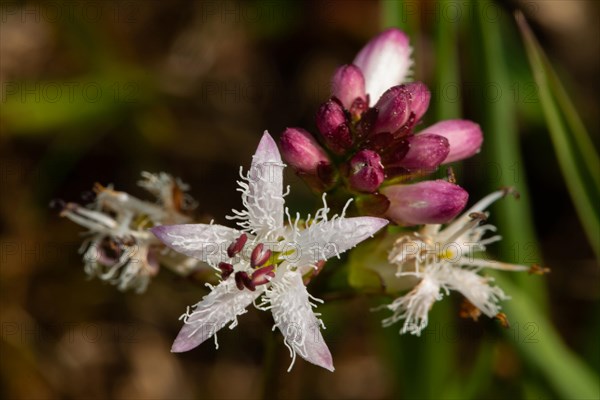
(367, 141)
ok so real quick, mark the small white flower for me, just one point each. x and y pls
(265, 257)
(120, 249)
(446, 259)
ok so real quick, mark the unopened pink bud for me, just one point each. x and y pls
(429, 202)
(331, 122)
(425, 152)
(366, 171)
(401, 107)
(384, 61)
(347, 85)
(300, 149)
(419, 99)
(465, 137)
(393, 110)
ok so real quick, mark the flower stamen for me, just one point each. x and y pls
(259, 256)
(237, 246)
(226, 270)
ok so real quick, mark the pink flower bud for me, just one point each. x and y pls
(419, 99)
(348, 84)
(366, 171)
(465, 137)
(384, 61)
(429, 202)
(425, 152)
(393, 110)
(301, 150)
(401, 107)
(331, 122)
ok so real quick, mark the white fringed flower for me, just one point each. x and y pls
(264, 257)
(446, 259)
(120, 249)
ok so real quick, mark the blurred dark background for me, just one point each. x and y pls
(98, 91)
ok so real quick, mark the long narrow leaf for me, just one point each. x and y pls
(567, 135)
(503, 149)
(542, 346)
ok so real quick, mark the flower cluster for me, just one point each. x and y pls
(369, 143)
(119, 248)
(367, 150)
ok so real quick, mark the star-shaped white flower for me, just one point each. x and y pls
(446, 259)
(265, 258)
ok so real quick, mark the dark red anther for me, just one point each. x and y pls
(237, 246)
(248, 282)
(242, 280)
(260, 276)
(226, 269)
(239, 280)
(259, 255)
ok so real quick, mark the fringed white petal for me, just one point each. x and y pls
(262, 192)
(207, 243)
(477, 289)
(291, 306)
(218, 308)
(414, 307)
(325, 238)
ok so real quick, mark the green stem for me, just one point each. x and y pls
(270, 368)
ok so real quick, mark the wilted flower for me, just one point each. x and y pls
(445, 259)
(120, 249)
(265, 258)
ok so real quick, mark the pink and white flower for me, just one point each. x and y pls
(385, 62)
(263, 260)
